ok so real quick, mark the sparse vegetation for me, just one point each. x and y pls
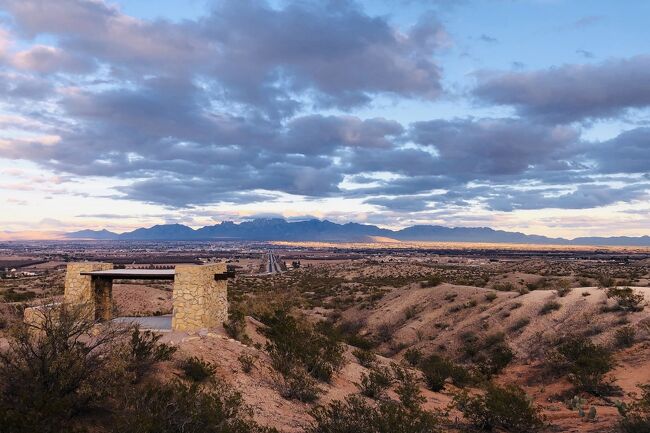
(294, 344)
(374, 383)
(636, 416)
(520, 324)
(490, 354)
(247, 362)
(625, 336)
(507, 408)
(549, 307)
(197, 369)
(355, 415)
(585, 363)
(626, 298)
(366, 358)
(490, 296)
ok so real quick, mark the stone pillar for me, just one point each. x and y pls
(103, 289)
(80, 289)
(200, 301)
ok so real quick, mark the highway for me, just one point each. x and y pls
(272, 265)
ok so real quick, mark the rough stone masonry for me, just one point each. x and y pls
(200, 300)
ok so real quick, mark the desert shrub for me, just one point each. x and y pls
(247, 362)
(144, 350)
(347, 331)
(507, 408)
(504, 287)
(294, 343)
(11, 295)
(375, 382)
(197, 369)
(625, 336)
(407, 388)
(519, 324)
(189, 408)
(53, 372)
(410, 312)
(296, 384)
(636, 416)
(236, 326)
(490, 354)
(490, 296)
(433, 281)
(355, 415)
(413, 356)
(385, 332)
(585, 363)
(563, 288)
(626, 298)
(365, 357)
(605, 280)
(436, 371)
(549, 307)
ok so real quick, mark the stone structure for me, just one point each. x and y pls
(91, 292)
(200, 299)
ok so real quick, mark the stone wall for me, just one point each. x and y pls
(78, 288)
(35, 317)
(199, 300)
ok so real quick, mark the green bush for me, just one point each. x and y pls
(636, 416)
(354, 415)
(375, 382)
(490, 354)
(296, 384)
(177, 407)
(196, 369)
(292, 342)
(585, 363)
(54, 371)
(407, 388)
(507, 408)
(436, 371)
(626, 298)
(490, 296)
(144, 350)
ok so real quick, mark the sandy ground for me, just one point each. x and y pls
(141, 300)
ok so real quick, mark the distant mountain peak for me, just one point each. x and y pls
(279, 229)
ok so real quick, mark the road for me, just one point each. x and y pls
(272, 265)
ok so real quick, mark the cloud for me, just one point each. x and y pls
(247, 51)
(583, 197)
(469, 149)
(487, 38)
(46, 59)
(629, 152)
(571, 92)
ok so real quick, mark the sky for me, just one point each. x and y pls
(526, 115)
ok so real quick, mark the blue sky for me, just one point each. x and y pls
(527, 115)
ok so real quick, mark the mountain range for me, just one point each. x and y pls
(277, 229)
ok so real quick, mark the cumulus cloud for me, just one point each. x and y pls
(571, 92)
